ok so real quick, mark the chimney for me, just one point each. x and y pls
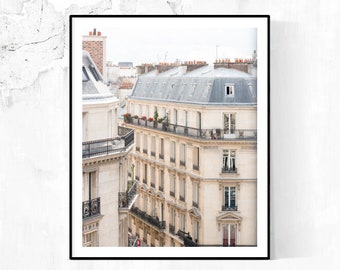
(94, 32)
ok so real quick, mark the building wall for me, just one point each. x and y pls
(209, 177)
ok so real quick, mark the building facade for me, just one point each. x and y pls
(106, 192)
(194, 158)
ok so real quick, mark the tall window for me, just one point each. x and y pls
(175, 116)
(195, 230)
(153, 207)
(172, 185)
(145, 203)
(153, 176)
(182, 222)
(137, 170)
(90, 186)
(229, 157)
(145, 145)
(138, 142)
(195, 194)
(182, 154)
(229, 123)
(196, 158)
(153, 146)
(161, 180)
(172, 221)
(145, 178)
(229, 199)
(173, 152)
(182, 189)
(229, 235)
(161, 150)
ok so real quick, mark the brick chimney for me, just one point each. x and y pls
(192, 65)
(95, 45)
(244, 65)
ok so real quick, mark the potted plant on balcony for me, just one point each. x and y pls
(143, 118)
(150, 121)
(155, 116)
(135, 119)
(127, 118)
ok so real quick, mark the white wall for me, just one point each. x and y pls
(304, 189)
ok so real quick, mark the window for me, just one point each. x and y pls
(182, 189)
(172, 185)
(172, 221)
(90, 186)
(195, 194)
(153, 146)
(145, 203)
(182, 154)
(161, 181)
(229, 199)
(173, 152)
(153, 207)
(85, 75)
(229, 90)
(195, 230)
(196, 158)
(145, 179)
(137, 170)
(229, 123)
(161, 153)
(94, 73)
(175, 116)
(229, 161)
(153, 176)
(145, 145)
(90, 239)
(138, 142)
(182, 222)
(229, 235)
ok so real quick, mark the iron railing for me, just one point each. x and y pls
(126, 198)
(187, 239)
(109, 146)
(91, 208)
(207, 134)
(229, 170)
(229, 208)
(152, 220)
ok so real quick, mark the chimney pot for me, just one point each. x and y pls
(99, 33)
(94, 31)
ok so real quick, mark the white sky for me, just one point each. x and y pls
(153, 40)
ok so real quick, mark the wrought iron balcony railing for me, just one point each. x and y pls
(110, 145)
(229, 208)
(91, 208)
(229, 170)
(172, 229)
(207, 134)
(187, 239)
(125, 199)
(152, 220)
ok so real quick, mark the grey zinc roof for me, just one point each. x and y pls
(204, 86)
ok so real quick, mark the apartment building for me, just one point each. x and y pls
(195, 157)
(107, 194)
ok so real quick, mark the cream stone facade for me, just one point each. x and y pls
(107, 194)
(195, 166)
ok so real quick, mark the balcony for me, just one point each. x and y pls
(153, 154)
(172, 229)
(160, 188)
(187, 239)
(152, 184)
(161, 156)
(229, 208)
(91, 208)
(182, 163)
(229, 170)
(154, 221)
(195, 204)
(172, 193)
(126, 199)
(204, 134)
(109, 146)
(195, 167)
(172, 160)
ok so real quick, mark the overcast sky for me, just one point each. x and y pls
(161, 39)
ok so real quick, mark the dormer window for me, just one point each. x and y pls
(229, 90)
(94, 73)
(85, 76)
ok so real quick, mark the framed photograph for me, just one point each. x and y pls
(169, 128)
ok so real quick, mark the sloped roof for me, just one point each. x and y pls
(202, 86)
